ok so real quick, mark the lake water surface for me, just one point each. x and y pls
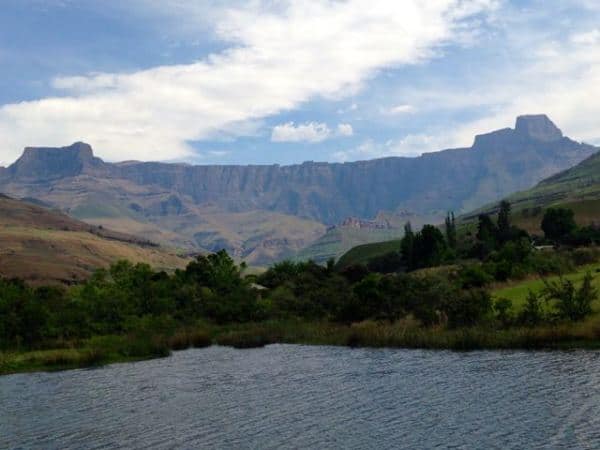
(286, 396)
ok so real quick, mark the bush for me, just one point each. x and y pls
(531, 314)
(571, 304)
(468, 308)
(503, 308)
(473, 276)
(547, 263)
(586, 255)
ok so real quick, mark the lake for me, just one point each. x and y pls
(289, 396)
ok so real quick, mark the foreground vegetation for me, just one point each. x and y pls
(436, 290)
(402, 334)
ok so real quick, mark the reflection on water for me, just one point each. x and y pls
(286, 396)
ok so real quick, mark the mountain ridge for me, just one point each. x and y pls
(258, 206)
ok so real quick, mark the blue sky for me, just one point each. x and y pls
(277, 81)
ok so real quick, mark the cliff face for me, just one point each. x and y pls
(181, 203)
(497, 164)
(43, 164)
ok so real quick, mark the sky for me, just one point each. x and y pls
(282, 81)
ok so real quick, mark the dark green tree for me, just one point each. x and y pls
(407, 246)
(558, 224)
(531, 314)
(429, 247)
(450, 230)
(504, 226)
(486, 235)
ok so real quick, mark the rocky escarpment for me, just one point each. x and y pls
(498, 163)
(230, 205)
(362, 224)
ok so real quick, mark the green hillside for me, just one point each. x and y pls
(580, 183)
(577, 188)
(361, 254)
(339, 240)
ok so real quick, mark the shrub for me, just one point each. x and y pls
(503, 307)
(468, 308)
(473, 276)
(586, 255)
(571, 304)
(547, 263)
(531, 314)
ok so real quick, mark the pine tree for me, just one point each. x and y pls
(407, 246)
(504, 227)
(451, 230)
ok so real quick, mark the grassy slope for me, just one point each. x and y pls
(337, 241)
(577, 188)
(44, 246)
(517, 291)
(361, 254)
(257, 237)
(576, 184)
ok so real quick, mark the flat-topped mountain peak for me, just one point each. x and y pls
(48, 163)
(538, 126)
(529, 129)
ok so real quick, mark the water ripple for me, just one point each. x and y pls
(286, 396)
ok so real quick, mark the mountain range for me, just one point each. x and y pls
(576, 188)
(263, 213)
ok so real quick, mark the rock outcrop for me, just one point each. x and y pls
(538, 127)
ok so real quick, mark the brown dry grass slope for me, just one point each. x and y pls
(44, 246)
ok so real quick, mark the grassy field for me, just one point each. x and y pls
(517, 291)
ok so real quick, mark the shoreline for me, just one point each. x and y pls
(103, 350)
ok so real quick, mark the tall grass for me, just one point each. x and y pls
(187, 338)
(568, 335)
(402, 334)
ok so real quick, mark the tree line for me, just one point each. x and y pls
(134, 298)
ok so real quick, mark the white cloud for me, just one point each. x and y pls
(345, 129)
(309, 132)
(410, 145)
(588, 38)
(399, 109)
(281, 54)
(562, 80)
